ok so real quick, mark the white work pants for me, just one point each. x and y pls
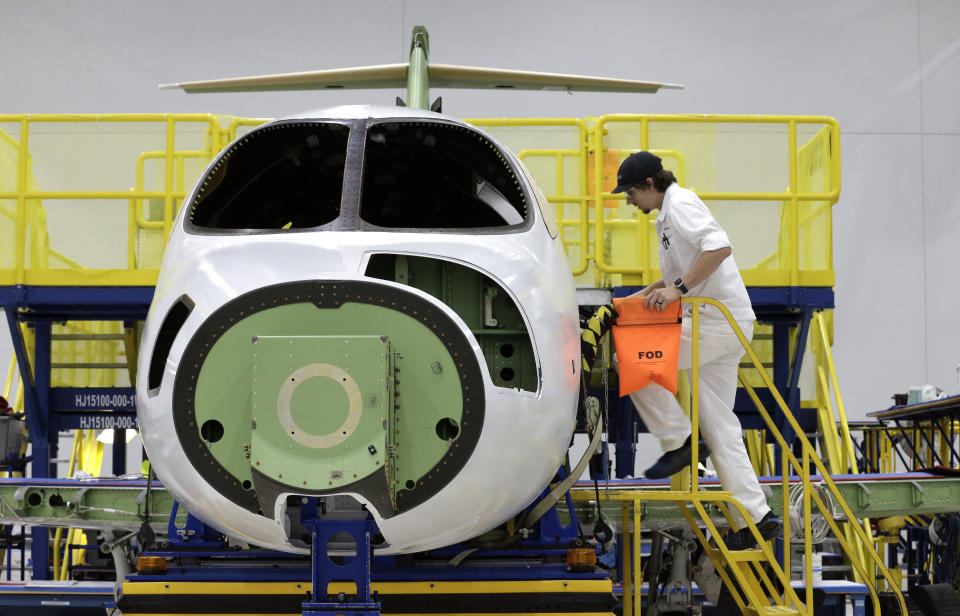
(720, 352)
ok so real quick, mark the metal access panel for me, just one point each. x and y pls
(320, 408)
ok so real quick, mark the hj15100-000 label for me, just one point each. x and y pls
(104, 401)
(108, 422)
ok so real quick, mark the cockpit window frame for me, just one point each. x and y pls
(508, 158)
(355, 128)
(349, 217)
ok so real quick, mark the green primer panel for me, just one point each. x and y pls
(320, 406)
(426, 389)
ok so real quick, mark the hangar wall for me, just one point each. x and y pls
(888, 70)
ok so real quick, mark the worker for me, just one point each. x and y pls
(696, 260)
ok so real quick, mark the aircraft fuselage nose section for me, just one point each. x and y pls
(322, 387)
(369, 307)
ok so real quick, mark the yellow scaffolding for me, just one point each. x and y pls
(607, 243)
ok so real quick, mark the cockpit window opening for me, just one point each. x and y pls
(280, 178)
(438, 176)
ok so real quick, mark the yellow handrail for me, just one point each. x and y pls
(808, 454)
(854, 539)
(792, 196)
(848, 456)
(586, 229)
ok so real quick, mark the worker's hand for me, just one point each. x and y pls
(659, 299)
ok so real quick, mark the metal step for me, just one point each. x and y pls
(88, 366)
(773, 610)
(86, 337)
(740, 555)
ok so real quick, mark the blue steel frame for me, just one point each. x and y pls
(325, 571)
(39, 308)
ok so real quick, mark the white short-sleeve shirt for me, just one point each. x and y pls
(686, 228)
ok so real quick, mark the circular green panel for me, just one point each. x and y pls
(428, 391)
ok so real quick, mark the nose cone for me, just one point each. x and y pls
(328, 387)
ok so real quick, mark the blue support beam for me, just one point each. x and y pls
(44, 447)
(119, 466)
(103, 301)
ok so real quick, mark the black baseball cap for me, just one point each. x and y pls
(636, 168)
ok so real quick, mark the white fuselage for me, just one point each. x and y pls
(525, 433)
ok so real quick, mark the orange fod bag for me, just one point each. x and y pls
(647, 344)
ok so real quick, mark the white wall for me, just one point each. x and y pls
(888, 70)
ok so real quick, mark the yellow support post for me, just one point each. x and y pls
(626, 576)
(794, 206)
(807, 526)
(20, 232)
(637, 568)
(695, 397)
(785, 507)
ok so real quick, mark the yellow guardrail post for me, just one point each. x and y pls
(168, 182)
(637, 549)
(626, 561)
(793, 213)
(19, 251)
(646, 221)
(584, 228)
(132, 207)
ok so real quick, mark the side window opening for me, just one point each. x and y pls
(432, 175)
(283, 176)
(485, 306)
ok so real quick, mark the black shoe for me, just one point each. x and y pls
(770, 527)
(672, 462)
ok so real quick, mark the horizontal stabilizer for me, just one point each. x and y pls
(450, 76)
(383, 76)
(440, 76)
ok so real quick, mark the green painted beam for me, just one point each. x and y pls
(97, 504)
(117, 504)
(868, 496)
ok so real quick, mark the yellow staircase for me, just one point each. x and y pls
(758, 582)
